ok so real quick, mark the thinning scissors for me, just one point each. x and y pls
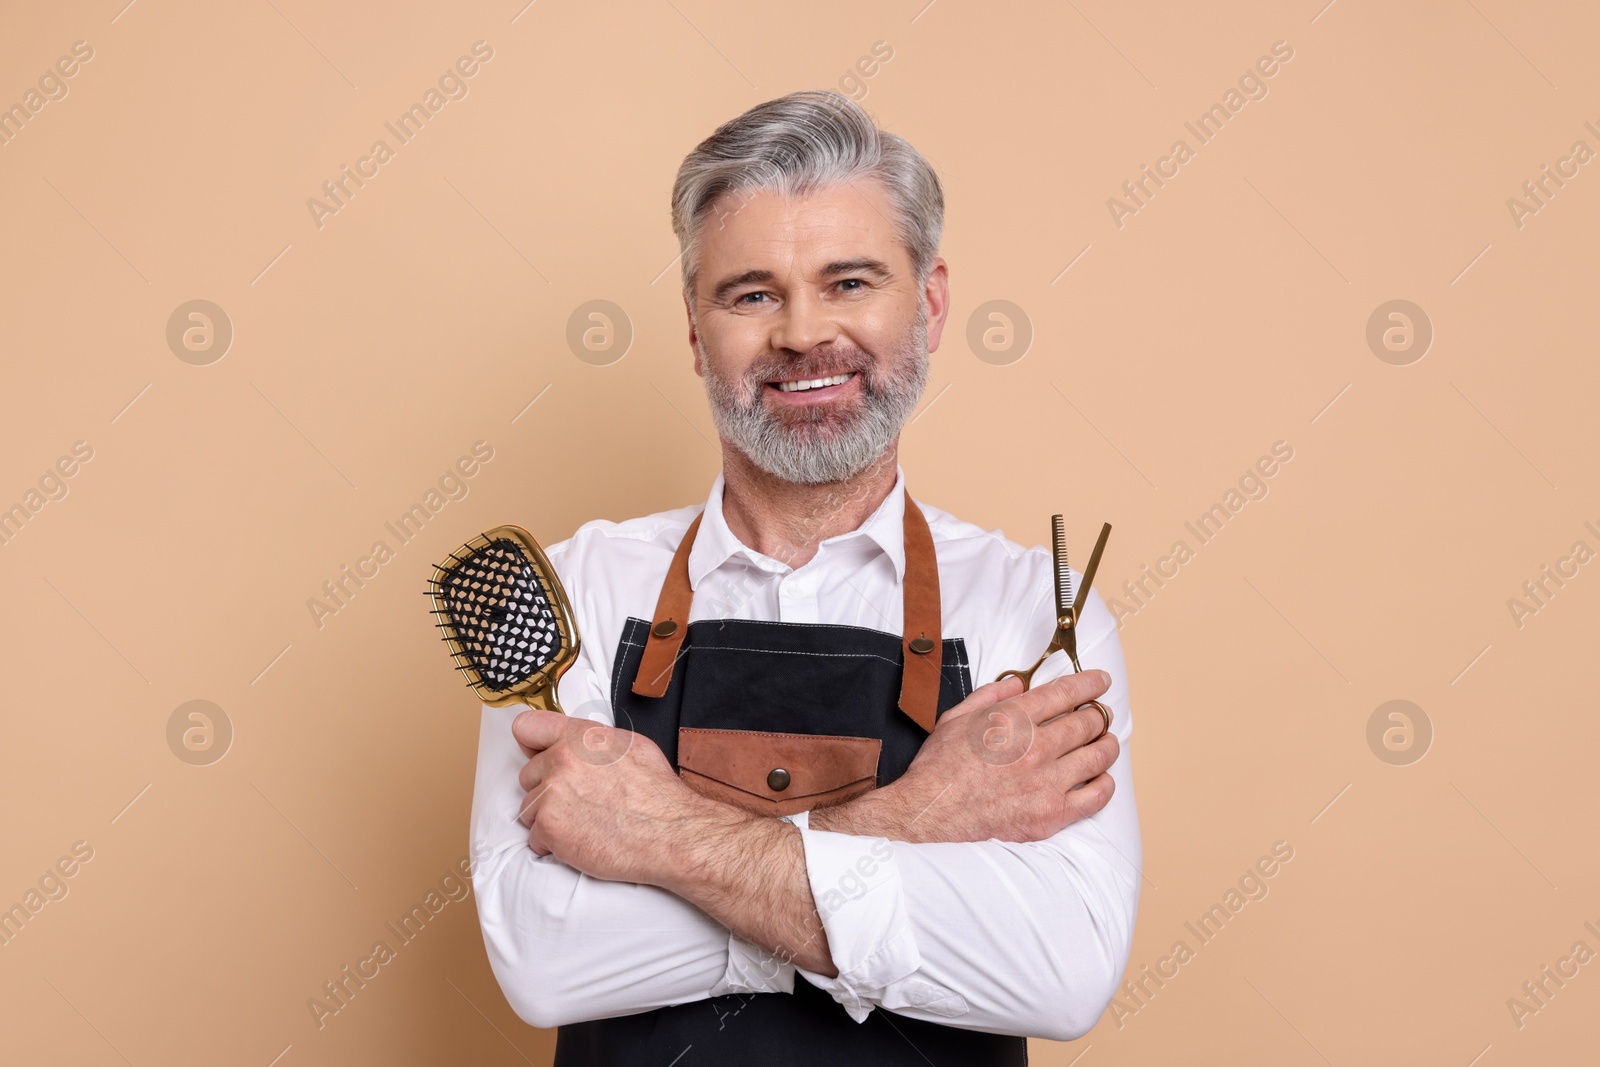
(1069, 609)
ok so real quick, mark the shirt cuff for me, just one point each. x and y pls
(752, 969)
(855, 882)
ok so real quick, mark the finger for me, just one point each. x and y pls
(532, 773)
(538, 730)
(1081, 726)
(1088, 762)
(1063, 694)
(1065, 734)
(1091, 797)
(537, 842)
(986, 696)
(529, 810)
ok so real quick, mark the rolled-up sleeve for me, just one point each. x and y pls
(1024, 938)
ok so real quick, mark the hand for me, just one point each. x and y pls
(1003, 763)
(601, 799)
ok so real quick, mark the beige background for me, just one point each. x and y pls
(368, 354)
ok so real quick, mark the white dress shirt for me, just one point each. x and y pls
(1013, 938)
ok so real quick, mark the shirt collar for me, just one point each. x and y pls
(715, 543)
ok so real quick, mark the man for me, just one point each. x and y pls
(780, 825)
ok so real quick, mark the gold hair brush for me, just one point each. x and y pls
(505, 618)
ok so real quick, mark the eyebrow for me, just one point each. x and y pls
(861, 265)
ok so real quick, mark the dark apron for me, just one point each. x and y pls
(776, 718)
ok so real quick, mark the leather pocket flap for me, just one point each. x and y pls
(776, 773)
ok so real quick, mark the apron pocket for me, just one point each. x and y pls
(771, 773)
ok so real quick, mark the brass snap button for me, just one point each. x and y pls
(777, 779)
(921, 645)
(664, 628)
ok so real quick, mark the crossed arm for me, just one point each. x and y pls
(978, 890)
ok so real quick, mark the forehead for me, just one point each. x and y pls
(765, 230)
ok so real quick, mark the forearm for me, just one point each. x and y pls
(567, 947)
(748, 873)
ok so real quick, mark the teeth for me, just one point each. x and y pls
(815, 383)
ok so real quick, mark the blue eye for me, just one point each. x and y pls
(747, 296)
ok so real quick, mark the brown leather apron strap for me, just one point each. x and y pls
(922, 644)
(671, 622)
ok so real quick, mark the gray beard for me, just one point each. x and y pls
(827, 446)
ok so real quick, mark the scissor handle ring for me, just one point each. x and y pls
(1026, 676)
(1105, 713)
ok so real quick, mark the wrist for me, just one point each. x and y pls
(875, 813)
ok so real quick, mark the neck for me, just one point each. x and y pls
(785, 520)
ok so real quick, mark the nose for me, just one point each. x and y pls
(804, 323)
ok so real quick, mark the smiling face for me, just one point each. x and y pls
(810, 329)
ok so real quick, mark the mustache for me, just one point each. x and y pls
(788, 368)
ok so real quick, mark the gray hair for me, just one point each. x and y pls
(798, 143)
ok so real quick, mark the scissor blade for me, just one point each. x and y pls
(1088, 574)
(1058, 544)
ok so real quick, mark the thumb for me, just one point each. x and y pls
(537, 729)
(985, 696)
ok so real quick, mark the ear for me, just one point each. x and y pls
(937, 293)
(693, 338)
